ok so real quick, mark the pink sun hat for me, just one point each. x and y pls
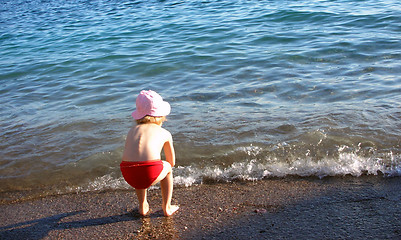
(150, 103)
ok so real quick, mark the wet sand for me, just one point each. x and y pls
(367, 207)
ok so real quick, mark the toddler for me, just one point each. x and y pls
(141, 164)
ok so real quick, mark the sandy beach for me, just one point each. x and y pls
(367, 207)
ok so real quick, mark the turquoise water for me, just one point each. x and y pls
(258, 89)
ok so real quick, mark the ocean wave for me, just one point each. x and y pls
(389, 165)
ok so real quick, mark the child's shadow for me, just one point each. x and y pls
(38, 229)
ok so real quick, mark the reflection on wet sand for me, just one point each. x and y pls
(157, 228)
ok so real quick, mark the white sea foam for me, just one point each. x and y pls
(254, 169)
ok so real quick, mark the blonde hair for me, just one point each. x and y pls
(151, 119)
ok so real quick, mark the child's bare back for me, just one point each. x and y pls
(145, 142)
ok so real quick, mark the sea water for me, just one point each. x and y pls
(258, 89)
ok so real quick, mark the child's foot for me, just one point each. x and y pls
(170, 211)
(144, 210)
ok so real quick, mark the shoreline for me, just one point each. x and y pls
(281, 208)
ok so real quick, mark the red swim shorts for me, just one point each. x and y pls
(141, 175)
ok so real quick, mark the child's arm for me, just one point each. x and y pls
(169, 151)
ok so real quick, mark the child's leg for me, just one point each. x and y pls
(166, 169)
(143, 202)
(167, 192)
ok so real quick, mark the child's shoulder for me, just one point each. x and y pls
(166, 132)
